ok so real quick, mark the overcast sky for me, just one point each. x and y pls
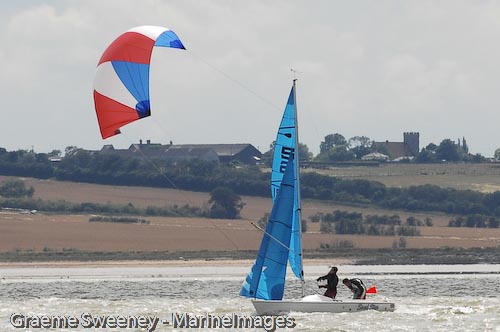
(372, 68)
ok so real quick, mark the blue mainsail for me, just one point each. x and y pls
(285, 148)
(266, 280)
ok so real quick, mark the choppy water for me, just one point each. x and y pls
(428, 298)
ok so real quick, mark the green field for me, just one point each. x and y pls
(479, 177)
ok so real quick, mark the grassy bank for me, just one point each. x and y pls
(359, 256)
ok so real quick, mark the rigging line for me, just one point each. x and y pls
(273, 238)
(235, 81)
(158, 169)
(308, 285)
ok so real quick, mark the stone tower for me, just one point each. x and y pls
(411, 141)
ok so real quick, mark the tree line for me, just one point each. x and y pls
(197, 175)
(337, 148)
(345, 222)
(475, 221)
(223, 203)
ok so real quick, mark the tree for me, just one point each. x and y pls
(225, 204)
(70, 150)
(349, 227)
(337, 153)
(431, 147)
(331, 141)
(360, 146)
(334, 148)
(426, 156)
(15, 188)
(447, 150)
(497, 154)
(54, 153)
(476, 158)
(465, 147)
(304, 153)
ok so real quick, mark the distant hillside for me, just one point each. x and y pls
(202, 176)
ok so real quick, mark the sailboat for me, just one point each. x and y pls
(281, 243)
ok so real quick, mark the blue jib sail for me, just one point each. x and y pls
(285, 149)
(266, 280)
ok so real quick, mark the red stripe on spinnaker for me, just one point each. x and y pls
(112, 115)
(131, 47)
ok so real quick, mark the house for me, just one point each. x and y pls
(181, 152)
(408, 148)
(375, 156)
(223, 153)
(228, 153)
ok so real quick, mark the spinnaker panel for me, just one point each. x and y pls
(121, 84)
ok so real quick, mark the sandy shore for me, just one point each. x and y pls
(165, 263)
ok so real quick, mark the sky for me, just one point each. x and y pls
(364, 68)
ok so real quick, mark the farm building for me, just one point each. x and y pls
(223, 153)
(408, 148)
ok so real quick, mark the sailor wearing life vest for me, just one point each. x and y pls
(332, 280)
(357, 288)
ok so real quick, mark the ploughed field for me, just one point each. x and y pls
(42, 232)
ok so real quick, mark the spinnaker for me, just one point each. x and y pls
(121, 84)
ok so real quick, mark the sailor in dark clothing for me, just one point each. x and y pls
(357, 288)
(331, 283)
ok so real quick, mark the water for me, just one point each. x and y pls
(428, 298)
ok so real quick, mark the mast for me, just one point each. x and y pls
(297, 172)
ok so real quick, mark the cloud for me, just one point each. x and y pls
(364, 68)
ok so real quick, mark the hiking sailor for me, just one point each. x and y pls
(357, 288)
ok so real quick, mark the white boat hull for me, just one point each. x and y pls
(318, 303)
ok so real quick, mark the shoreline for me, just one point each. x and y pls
(159, 263)
(441, 256)
(210, 270)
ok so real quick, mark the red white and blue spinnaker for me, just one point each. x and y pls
(121, 84)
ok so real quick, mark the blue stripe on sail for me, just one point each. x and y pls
(135, 77)
(266, 280)
(169, 39)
